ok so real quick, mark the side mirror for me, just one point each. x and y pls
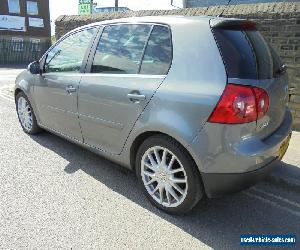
(34, 68)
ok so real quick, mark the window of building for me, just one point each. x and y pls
(32, 8)
(62, 57)
(17, 44)
(158, 54)
(120, 49)
(13, 6)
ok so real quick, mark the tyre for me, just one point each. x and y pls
(168, 175)
(26, 115)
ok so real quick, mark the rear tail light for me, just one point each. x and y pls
(262, 100)
(240, 104)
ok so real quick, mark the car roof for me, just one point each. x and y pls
(169, 20)
(159, 19)
(172, 20)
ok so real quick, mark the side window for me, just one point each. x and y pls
(158, 54)
(120, 49)
(67, 56)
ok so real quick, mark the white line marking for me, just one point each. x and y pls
(7, 86)
(6, 97)
(278, 197)
(272, 203)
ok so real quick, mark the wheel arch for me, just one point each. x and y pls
(20, 89)
(17, 91)
(137, 142)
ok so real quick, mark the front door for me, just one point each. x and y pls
(126, 71)
(56, 90)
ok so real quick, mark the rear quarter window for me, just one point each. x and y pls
(158, 54)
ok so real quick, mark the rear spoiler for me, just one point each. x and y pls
(233, 24)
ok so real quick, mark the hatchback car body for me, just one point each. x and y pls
(195, 105)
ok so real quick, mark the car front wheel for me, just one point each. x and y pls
(168, 175)
(26, 115)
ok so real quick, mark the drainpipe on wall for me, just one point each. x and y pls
(116, 5)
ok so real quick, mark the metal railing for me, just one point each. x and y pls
(21, 52)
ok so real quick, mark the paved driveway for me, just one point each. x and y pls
(55, 194)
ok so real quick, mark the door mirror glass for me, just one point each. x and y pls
(34, 68)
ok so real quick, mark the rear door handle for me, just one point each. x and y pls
(136, 97)
(70, 89)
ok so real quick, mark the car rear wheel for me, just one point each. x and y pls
(168, 175)
(26, 115)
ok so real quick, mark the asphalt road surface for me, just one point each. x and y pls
(54, 194)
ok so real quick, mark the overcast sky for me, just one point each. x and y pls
(70, 7)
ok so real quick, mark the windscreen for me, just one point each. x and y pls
(246, 54)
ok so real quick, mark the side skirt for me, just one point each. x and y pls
(114, 158)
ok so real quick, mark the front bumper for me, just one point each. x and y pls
(217, 185)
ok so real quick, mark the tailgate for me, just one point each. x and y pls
(250, 60)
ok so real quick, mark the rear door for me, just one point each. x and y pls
(250, 60)
(129, 64)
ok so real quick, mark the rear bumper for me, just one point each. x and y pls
(231, 157)
(217, 185)
(221, 148)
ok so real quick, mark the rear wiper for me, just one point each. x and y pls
(282, 69)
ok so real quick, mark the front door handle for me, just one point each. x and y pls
(70, 89)
(136, 97)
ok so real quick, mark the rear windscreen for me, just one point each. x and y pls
(246, 54)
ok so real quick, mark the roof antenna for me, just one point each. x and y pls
(221, 14)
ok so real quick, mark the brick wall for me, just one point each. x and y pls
(205, 3)
(279, 23)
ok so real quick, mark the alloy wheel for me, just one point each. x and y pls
(164, 176)
(25, 113)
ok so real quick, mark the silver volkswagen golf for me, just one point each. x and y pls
(195, 105)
